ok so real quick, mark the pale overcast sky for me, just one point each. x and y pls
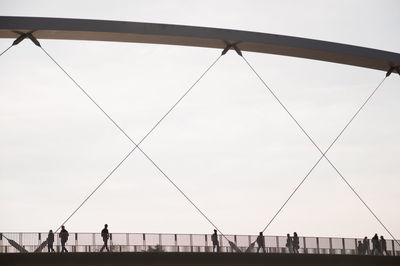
(228, 145)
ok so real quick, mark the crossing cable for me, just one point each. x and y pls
(22, 36)
(322, 156)
(324, 153)
(137, 145)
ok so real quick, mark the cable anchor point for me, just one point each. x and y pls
(24, 35)
(391, 69)
(230, 46)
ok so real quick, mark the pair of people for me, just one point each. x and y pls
(64, 238)
(293, 243)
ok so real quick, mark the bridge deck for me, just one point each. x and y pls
(188, 259)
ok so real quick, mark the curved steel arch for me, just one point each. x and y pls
(120, 31)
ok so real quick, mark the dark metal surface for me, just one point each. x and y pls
(119, 31)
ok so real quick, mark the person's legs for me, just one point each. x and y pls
(105, 244)
(263, 249)
(63, 247)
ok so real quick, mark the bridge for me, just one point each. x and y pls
(36, 29)
(198, 243)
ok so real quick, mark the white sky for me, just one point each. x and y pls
(229, 145)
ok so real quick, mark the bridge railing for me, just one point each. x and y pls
(148, 242)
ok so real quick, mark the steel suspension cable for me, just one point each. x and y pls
(324, 153)
(6, 49)
(137, 145)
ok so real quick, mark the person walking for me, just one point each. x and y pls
(375, 245)
(367, 250)
(105, 235)
(64, 238)
(50, 241)
(261, 242)
(383, 246)
(296, 243)
(214, 239)
(289, 243)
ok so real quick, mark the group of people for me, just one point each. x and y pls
(292, 243)
(378, 246)
(63, 235)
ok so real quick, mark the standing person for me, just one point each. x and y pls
(289, 243)
(105, 235)
(360, 248)
(383, 246)
(214, 239)
(50, 241)
(367, 250)
(64, 238)
(261, 242)
(375, 245)
(296, 243)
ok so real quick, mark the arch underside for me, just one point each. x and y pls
(119, 31)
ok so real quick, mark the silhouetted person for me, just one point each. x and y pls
(296, 243)
(289, 243)
(214, 239)
(360, 248)
(105, 235)
(376, 250)
(261, 242)
(383, 246)
(367, 250)
(50, 241)
(64, 238)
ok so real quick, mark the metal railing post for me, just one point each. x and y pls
(277, 244)
(304, 245)
(344, 247)
(330, 246)
(356, 245)
(394, 250)
(317, 245)
(191, 243)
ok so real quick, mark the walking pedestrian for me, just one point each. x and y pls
(50, 241)
(383, 246)
(261, 242)
(296, 243)
(64, 238)
(367, 249)
(105, 235)
(214, 239)
(376, 250)
(289, 243)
